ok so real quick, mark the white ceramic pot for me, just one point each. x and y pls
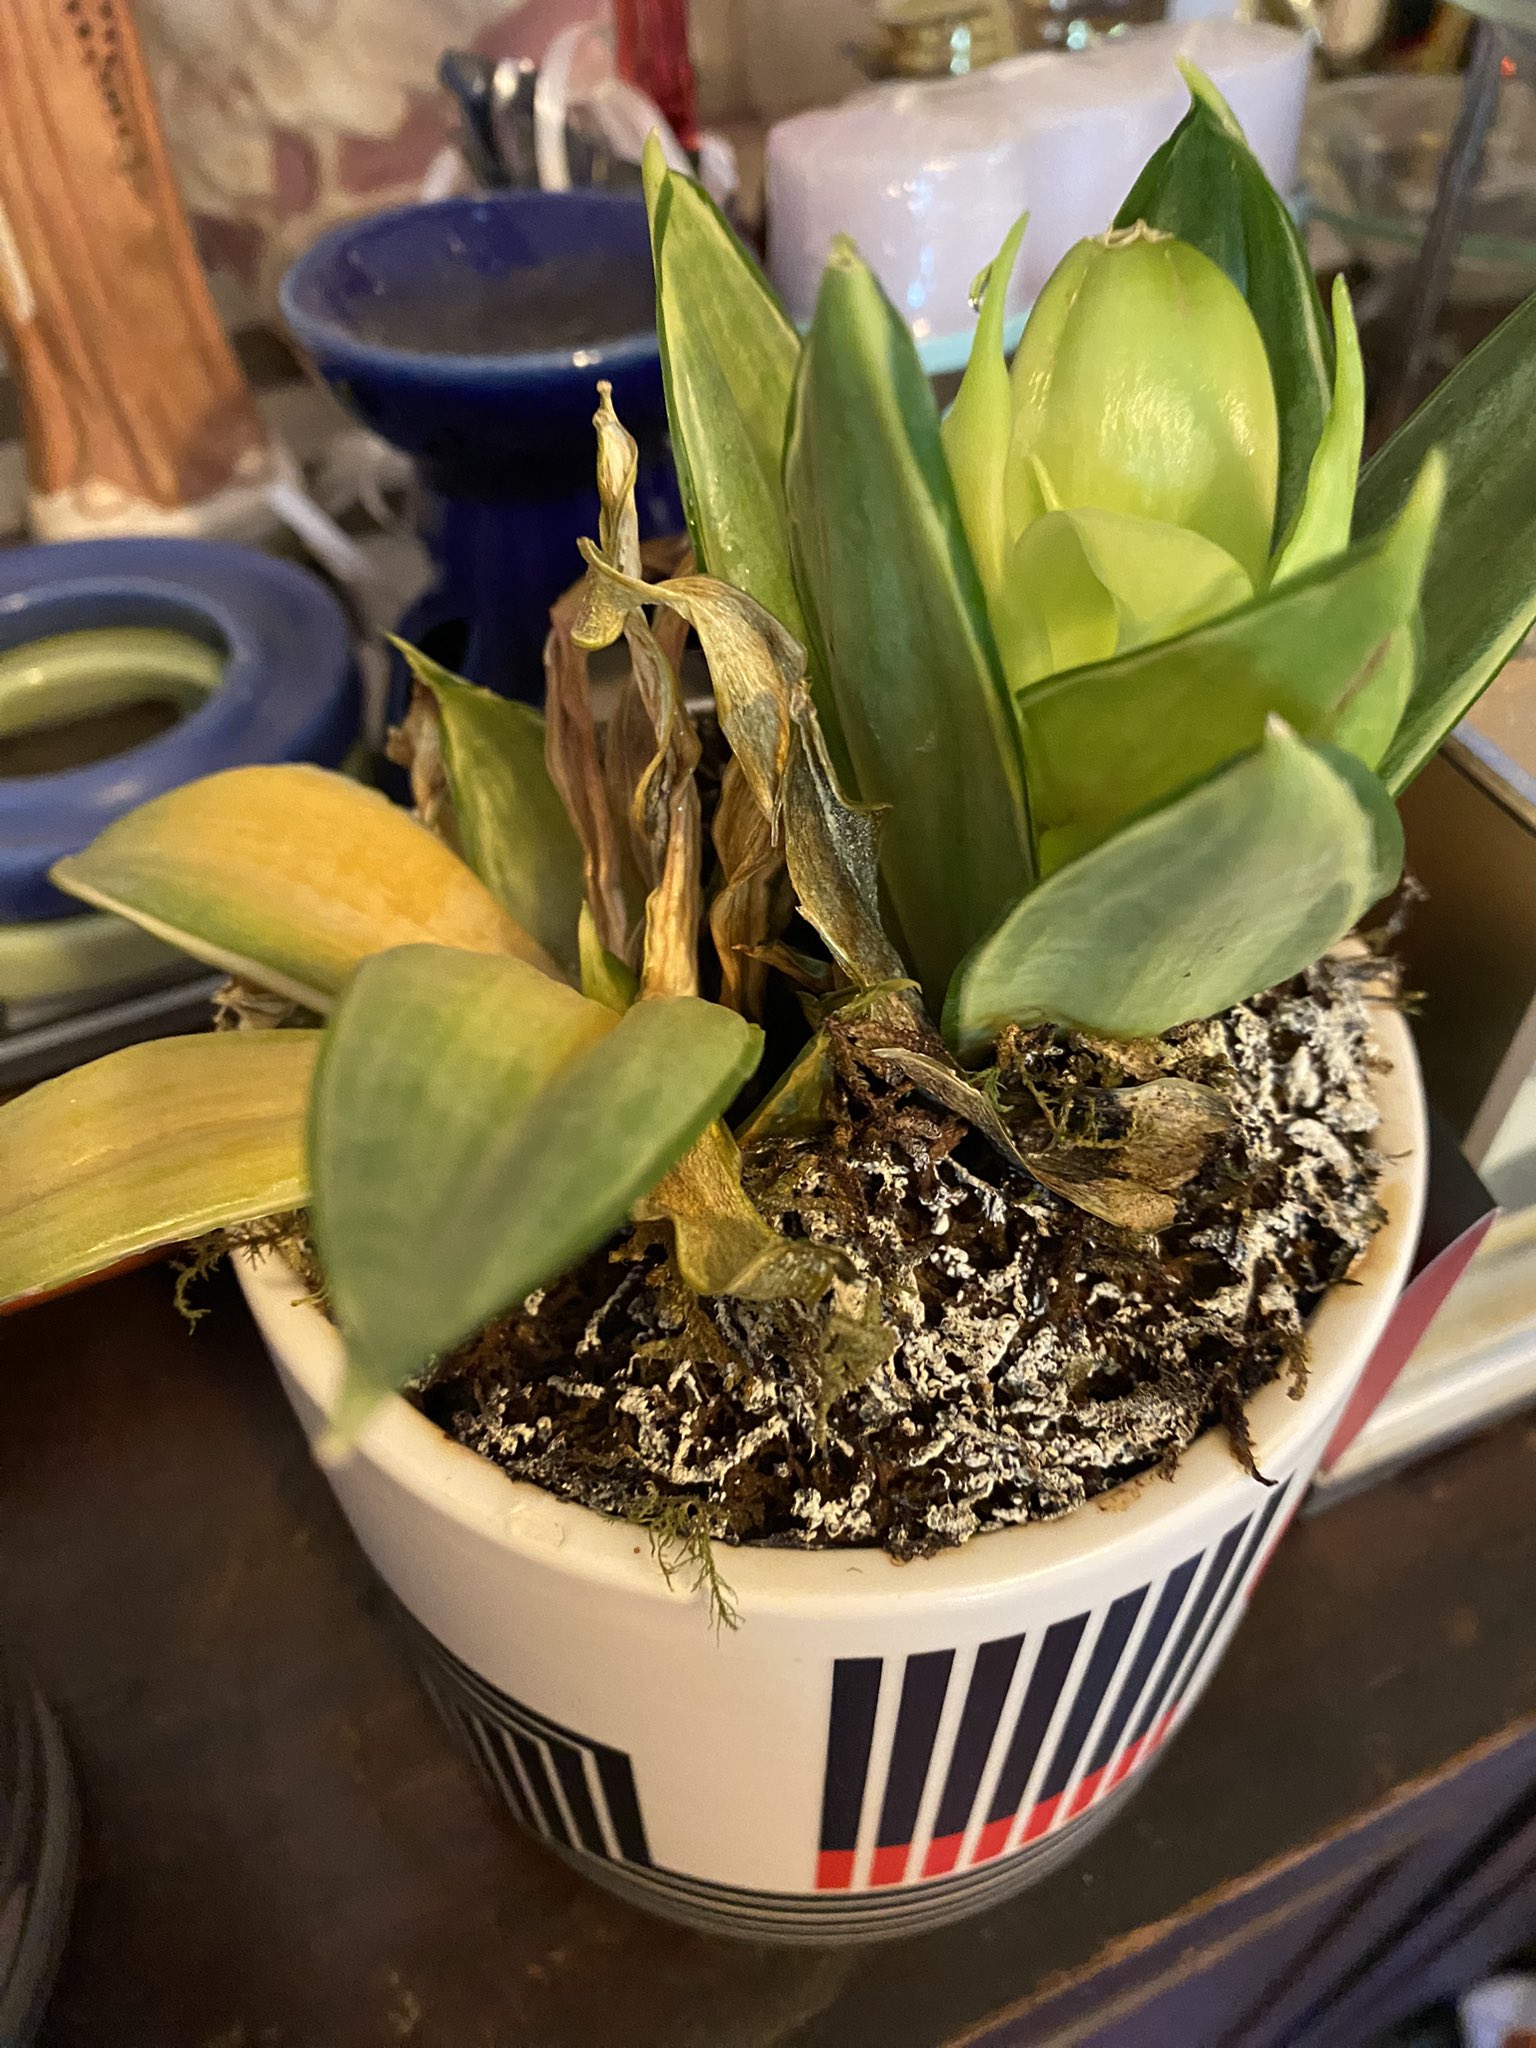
(878, 1747)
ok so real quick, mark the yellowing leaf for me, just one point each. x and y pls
(148, 1147)
(289, 876)
(723, 1245)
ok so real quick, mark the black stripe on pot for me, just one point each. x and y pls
(1232, 1596)
(530, 1755)
(1139, 1666)
(1222, 1584)
(923, 1691)
(1154, 1640)
(991, 1676)
(1215, 1577)
(1038, 1709)
(850, 1735)
(1100, 1675)
(537, 1766)
(492, 1746)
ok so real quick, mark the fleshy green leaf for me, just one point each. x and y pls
(1322, 524)
(729, 355)
(1480, 587)
(604, 978)
(1231, 887)
(507, 817)
(289, 876)
(918, 705)
(148, 1147)
(1331, 653)
(979, 424)
(1084, 585)
(1142, 386)
(476, 1127)
(1206, 186)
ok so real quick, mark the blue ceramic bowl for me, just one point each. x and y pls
(289, 689)
(482, 426)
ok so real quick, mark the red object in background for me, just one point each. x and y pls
(652, 38)
(1458, 1213)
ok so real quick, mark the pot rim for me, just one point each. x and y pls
(459, 1484)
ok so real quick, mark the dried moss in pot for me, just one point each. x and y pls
(1041, 1354)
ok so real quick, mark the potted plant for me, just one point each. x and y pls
(923, 1211)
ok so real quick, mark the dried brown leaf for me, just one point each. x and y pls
(575, 768)
(416, 745)
(1174, 1127)
(750, 908)
(664, 807)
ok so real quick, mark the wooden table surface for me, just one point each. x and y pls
(282, 1850)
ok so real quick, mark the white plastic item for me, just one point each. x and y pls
(929, 177)
(1492, 2015)
(878, 1747)
(578, 70)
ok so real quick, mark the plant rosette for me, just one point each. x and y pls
(932, 1059)
(874, 1747)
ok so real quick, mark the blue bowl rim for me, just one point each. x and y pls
(334, 344)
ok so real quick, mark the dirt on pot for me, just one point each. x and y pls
(1002, 1356)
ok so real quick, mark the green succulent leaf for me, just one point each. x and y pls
(1330, 652)
(475, 1127)
(1480, 586)
(1141, 386)
(507, 817)
(978, 425)
(1206, 186)
(1085, 585)
(914, 700)
(289, 876)
(729, 355)
(1229, 888)
(604, 978)
(1322, 523)
(148, 1147)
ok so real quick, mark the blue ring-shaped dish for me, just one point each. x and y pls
(290, 689)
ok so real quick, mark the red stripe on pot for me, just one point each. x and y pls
(1042, 1818)
(850, 1733)
(1128, 1760)
(994, 1838)
(834, 1870)
(943, 1854)
(888, 1865)
(1087, 1791)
